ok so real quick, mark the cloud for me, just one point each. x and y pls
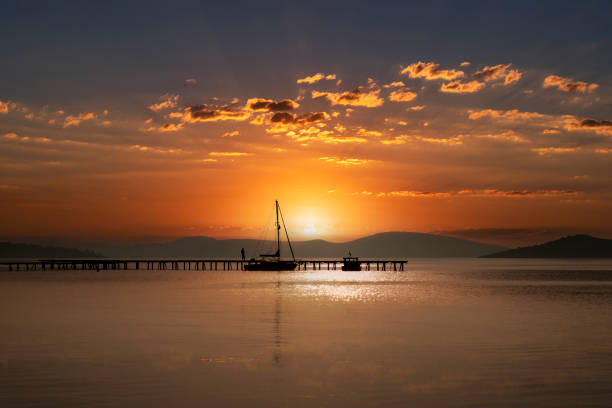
(595, 123)
(492, 73)
(303, 119)
(191, 81)
(14, 136)
(474, 193)
(397, 84)
(462, 87)
(568, 84)
(509, 115)
(231, 134)
(4, 107)
(258, 104)
(211, 113)
(512, 76)
(551, 132)
(449, 141)
(416, 108)
(465, 64)
(397, 140)
(314, 134)
(171, 127)
(345, 161)
(402, 95)
(229, 154)
(507, 136)
(76, 120)
(167, 101)
(542, 151)
(571, 123)
(552, 123)
(316, 78)
(429, 71)
(498, 72)
(356, 97)
(151, 149)
(368, 133)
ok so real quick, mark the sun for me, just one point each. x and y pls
(310, 229)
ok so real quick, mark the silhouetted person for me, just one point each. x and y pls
(243, 254)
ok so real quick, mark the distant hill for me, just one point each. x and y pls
(386, 244)
(575, 246)
(13, 250)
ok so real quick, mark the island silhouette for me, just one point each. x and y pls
(574, 246)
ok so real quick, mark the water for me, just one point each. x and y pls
(442, 333)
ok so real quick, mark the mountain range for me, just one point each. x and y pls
(382, 245)
(18, 250)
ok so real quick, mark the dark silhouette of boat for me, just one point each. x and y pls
(273, 262)
(351, 263)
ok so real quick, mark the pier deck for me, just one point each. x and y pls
(183, 264)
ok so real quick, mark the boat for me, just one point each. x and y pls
(274, 262)
(351, 263)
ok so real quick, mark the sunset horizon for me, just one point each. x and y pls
(305, 204)
(110, 144)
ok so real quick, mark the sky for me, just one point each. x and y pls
(154, 120)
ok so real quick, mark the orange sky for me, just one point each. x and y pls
(385, 139)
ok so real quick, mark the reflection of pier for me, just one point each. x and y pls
(183, 264)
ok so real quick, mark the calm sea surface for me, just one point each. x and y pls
(442, 333)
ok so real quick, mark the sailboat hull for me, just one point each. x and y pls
(270, 266)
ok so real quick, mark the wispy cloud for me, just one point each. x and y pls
(430, 71)
(230, 134)
(356, 97)
(568, 84)
(473, 193)
(166, 102)
(316, 78)
(543, 151)
(462, 87)
(314, 134)
(416, 108)
(396, 84)
(402, 95)
(345, 161)
(228, 154)
(76, 120)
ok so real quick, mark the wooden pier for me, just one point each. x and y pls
(183, 264)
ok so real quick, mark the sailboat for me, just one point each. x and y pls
(273, 262)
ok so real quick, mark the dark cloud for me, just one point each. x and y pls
(270, 105)
(211, 113)
(595, 123)
(306, 118)
(491, 73)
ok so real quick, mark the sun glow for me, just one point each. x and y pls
(311, 223)
(310, 229)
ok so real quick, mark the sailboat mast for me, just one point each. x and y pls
(277, 231)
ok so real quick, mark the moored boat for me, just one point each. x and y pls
(351, 263)
(273, 262)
